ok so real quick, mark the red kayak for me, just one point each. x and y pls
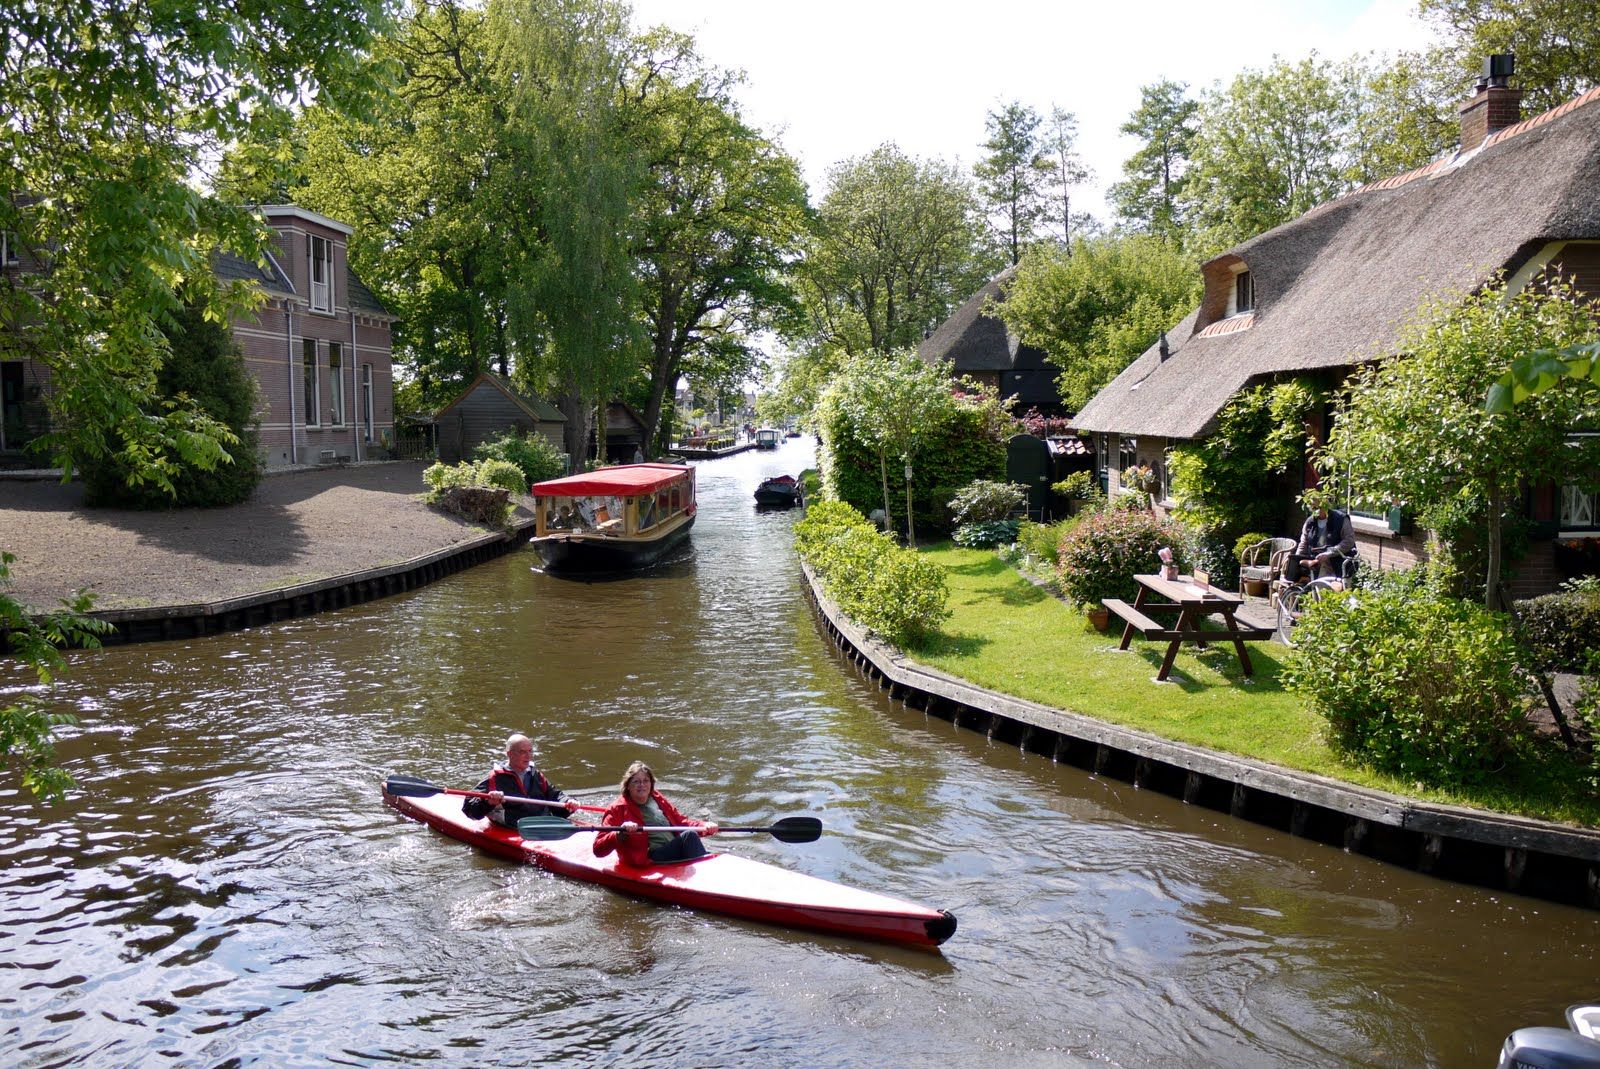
(721, 883)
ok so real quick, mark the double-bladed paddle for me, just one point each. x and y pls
(411, 787)
(786, 830)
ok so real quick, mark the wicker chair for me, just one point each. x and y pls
(1263, 562)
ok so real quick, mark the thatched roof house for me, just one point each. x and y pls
(979, 345)
(1331, 289)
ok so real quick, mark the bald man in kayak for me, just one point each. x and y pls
(517, 778)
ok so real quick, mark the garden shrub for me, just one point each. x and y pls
(984, 501)
(501, 473)
(1412, 683)
(1081, 486)
(1560, 629)
(1100, 556)
(1042, 541)
(497, 473)
(537, 457)
(986, 534)
(1242, 544)
(892, 591)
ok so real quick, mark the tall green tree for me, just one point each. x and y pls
(1064, 170)
(1403, 114)
(1413, 429)
(897, 243)
(1093, 312)
(1011, 175)
(1150, 195)
(1271, 145)
(723, 213)
(1556, 42)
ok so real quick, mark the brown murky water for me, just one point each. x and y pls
(228, 891)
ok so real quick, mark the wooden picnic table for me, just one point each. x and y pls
(1192, 602)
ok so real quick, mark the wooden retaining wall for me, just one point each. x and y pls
(1518, 854)
(305, 599)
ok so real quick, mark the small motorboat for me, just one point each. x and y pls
(768, 438)
(613, 519)
(719, 883)
(780, 492)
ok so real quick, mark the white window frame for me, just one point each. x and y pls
(311, 383)
(1577, 511)
(366, 399)
(319, 261)
(8, 248)
(336, 383)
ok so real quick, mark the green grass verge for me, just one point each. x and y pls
(1006, 634)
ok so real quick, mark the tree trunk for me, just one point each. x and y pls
(911, 526)
(883, 473)
(575, 435)
(1493, 548)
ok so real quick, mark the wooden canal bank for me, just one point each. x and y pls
(1518, 854)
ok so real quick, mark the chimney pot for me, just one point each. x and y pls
(1494, 106)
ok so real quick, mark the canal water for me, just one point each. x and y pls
(227, 889)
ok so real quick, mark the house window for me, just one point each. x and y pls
(1128, 452)
(366, 399)
(1579, 509)
(1244, 293)
(309, 380)
(336, 383)
(321, 254)
(8, 247)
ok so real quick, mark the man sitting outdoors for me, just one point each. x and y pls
(1326, 539)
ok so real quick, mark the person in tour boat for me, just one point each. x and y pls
(517, 778)
(641, 805)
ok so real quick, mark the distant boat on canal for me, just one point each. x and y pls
(768, 438)
(779, 492)
(613, 519)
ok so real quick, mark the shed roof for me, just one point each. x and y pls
(1334, 286)
(537, 409)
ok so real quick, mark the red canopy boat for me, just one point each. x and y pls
(721, 883)
(613, 519)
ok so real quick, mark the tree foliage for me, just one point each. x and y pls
(1064, 171)
(1556, 42)
(1093, 312)
(898, 243)
(1150, 196)
(1011, 175)
(1413, 429)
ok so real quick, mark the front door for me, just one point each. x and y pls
(11, 433)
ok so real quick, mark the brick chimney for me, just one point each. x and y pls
(1494, 106)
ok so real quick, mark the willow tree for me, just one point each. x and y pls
(1413, 429)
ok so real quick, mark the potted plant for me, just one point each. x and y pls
(1241, 552)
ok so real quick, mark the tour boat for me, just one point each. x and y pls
(768, 438)
(781, 492)
(718, 883)
(613, 519)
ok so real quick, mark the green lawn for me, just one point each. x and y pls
(1008, 635)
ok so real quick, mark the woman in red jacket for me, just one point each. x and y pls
(642, 806)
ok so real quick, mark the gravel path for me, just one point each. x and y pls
(298, 527)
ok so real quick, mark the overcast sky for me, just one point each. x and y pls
(833, 79)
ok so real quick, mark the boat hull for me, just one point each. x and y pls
(580, 552)
(719, 883)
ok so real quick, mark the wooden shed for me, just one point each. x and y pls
(486, 409)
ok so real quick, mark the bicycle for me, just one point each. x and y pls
(1292, 598)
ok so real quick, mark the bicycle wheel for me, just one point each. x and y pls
(1288, 612)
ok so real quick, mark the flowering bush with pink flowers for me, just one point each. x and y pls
(1100, 556)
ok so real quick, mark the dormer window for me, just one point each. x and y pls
(1244, 293)
(321, 256)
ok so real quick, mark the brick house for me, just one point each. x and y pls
(1328, 291)
(319, 348)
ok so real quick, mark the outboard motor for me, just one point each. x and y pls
(1576, 1047)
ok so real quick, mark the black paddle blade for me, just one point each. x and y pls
(796, 830)
(409, 787)
(548, 829)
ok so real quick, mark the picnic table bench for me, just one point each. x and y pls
(1192, 602)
